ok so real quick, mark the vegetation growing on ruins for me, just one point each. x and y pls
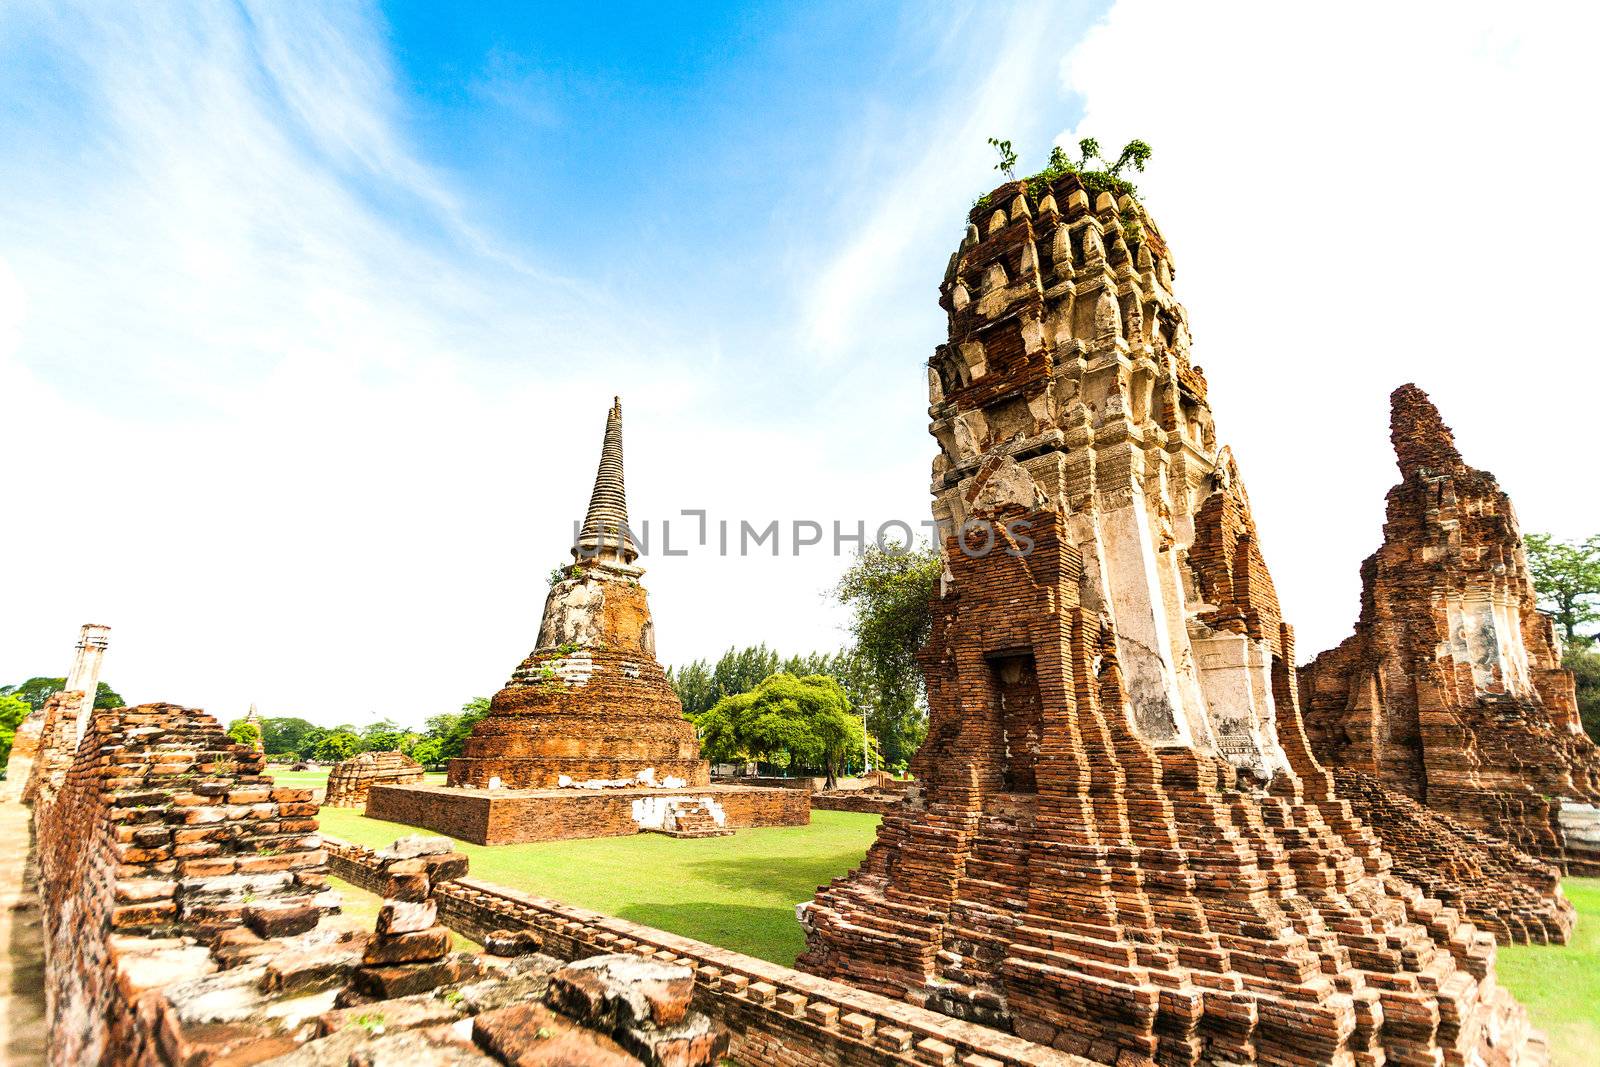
(1096, 173)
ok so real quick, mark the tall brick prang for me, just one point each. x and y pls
(591, 702)
(1119, 842)
(1451, 690)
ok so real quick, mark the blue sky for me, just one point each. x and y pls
(310, 314)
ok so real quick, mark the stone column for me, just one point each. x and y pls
(85, 674)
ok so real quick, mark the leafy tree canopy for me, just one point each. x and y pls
(290, 736)
(12, 711)
(806, 720)
(35, 691)
(337, 745)
(888, 591)
(244, 732)
(1566, 575)
(451, 731)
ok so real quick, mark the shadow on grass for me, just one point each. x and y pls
(770, 933)
(793, 879)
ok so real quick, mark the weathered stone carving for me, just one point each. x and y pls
(590, 702)
(1118, 841)
(1451, 689)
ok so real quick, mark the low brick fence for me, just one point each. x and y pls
(868, 801)
(776, 1015)
(508, 816)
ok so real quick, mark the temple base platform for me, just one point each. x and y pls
(511, 816)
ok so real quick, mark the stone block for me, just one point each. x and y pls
(531, 1035)
(415, 947)
(405, 916)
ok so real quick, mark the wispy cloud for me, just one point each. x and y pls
(915, 168)
(293, 408)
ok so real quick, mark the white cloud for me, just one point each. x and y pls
(294, 449)
(288, 415)
(1361, 195)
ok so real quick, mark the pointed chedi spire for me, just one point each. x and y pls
(605, 533)
(1421, 439)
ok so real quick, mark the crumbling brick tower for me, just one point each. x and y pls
(1451, 691)
(1119, 842)
(591, 701)
(349, 781)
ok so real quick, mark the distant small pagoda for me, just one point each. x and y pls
(590, 702)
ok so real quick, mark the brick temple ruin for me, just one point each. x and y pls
(350, 781)
(1119, 841)
(1450, 693)
(189, 920)
(588, 738)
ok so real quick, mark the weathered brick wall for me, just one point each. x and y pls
(870, 801)
(350, 781)
(1119, 842)
(775, 1015)
(1501, 889)
(1450, 690)
(496, 817)
(56, 746)
(162, 828)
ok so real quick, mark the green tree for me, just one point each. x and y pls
(35, 691)
(795, 722)
(12, 711)
(243, 732)
(692, 683)
(1566, 575)
(426, 752)
(700, 685)
(1585, 665)
(283, 736)
(337, 745)
(889, 591)
(452, 729)
(306, 747)
(381, 736)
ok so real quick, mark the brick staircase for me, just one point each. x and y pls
(692, 818)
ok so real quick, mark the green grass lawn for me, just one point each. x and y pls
(1561, 984)
(738, 892)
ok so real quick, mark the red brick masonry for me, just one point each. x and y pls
(774, 1015)
(508, 816)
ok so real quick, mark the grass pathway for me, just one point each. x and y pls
(738, 892)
